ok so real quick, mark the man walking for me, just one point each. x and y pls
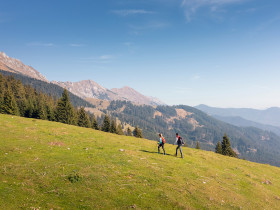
(179, 142)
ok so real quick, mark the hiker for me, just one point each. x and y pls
(161, 143)
(179, 142)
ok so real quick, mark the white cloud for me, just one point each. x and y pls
(76, 45)
(99, 59)
(192, 6)
(40, 44)
(132, 12)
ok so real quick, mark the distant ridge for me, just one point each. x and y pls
(270, 116)
(132, 95)
(84, 89)
(90, 89)
(16, 66)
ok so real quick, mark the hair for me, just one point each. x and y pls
(160, 134)
(177, 134)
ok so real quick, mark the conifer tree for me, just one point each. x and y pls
(197, 145)
(29, 108)
(9, 105)
(106, 124)
(137, 132)
(65, 112)
(113, 127)
(226, 147)
(128, 132)
(119, 130)
(19, 95)
(41, 105)
(94, 123)
(218, 148)
(83, 119)
(50, 109)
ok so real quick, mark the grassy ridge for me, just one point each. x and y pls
(39, 158)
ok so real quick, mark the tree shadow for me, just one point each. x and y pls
(154, 152)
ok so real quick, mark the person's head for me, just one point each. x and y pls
(160, 135)
(177, 134)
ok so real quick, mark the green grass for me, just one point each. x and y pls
(50, 165)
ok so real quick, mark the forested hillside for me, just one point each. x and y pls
(48, 88)
(250, 143)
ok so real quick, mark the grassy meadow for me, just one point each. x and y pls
(49, 165)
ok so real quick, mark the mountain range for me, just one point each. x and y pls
(84, 89)
(194, 125)
(264, 119)
(268, 116)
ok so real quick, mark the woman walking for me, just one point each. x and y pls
(161, 143)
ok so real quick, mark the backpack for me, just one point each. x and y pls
(163, 140)
(180, 140)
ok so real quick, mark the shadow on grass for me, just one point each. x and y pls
(155, 152)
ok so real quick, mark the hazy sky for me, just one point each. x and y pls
(223, 53)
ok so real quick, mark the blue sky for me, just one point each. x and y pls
(223, 53)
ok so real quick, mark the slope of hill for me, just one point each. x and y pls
(194, 125)
(48, 88)
(16, 66)
(239, 121)
(57, 166)
(269, 116)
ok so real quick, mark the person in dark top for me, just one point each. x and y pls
(179, 142)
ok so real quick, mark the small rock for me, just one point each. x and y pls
(204, 182)
(121, 150)
(68, 148)
(133, 206)
(268, 182)
(6, 153)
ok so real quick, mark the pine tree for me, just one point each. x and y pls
(41, 104)
(218, 148)
(197, 145)
(65, 112)
(113, 127)
(106, 124)
(9, 105)
(83, 119)
(19, 94)
(94, 123)
(226, 147)
(119, 130)
(128, 132)
(50, 109)
(137, 132)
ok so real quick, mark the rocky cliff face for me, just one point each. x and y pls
(16, 66)
(132, 95)
(89, 89)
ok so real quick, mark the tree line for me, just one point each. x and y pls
(25, 101)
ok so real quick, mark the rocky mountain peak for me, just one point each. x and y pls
(16, 66)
